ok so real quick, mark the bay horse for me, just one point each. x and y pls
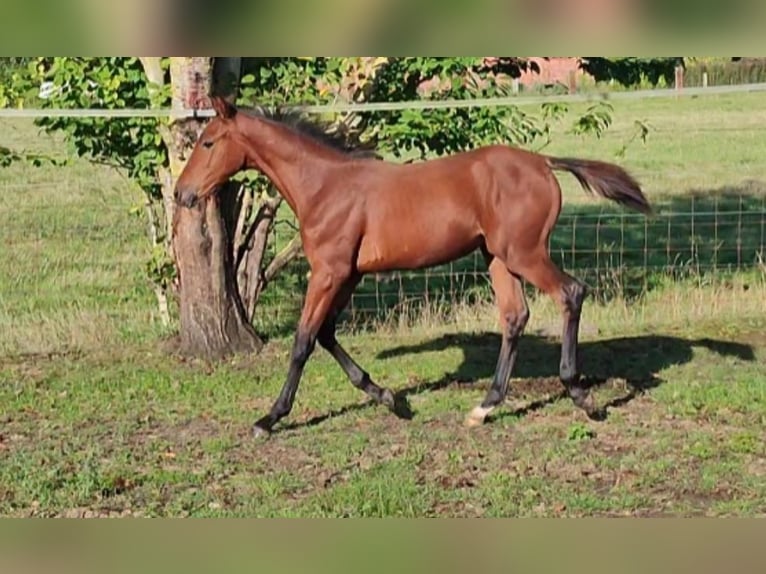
(360, 215)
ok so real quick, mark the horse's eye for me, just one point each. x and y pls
(207, 144)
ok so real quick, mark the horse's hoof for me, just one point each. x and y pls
(596, 414)
(260, 433)
(471, 422)
(398, 405)
(585, 402)
(583, 399)
(476, 417)
(388, 399)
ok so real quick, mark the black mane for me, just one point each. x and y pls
(301, 122)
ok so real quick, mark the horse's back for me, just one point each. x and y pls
(429, 212)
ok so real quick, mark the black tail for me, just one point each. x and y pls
(605, 179)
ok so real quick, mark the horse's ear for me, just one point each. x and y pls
(224, 109)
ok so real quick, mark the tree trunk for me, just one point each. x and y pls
(212, 320)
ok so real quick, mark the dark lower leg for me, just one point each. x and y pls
(569, 293)
(303, 346)
(358, 376)
(499, 387)
(498, 390)
(573, 296)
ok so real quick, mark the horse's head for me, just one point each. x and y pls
(218, 154)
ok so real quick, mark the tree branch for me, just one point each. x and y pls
(291, 251)
(267, 209)
(153, 68)
(246, 203)
(154, 236)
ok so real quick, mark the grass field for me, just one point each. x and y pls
(96, 419)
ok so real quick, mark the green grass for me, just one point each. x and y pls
(73, 255)
(701, 142)
(96, 419)
(137, 432)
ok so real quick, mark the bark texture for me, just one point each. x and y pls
(213, 322)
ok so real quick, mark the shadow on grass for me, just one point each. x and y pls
(636, 360)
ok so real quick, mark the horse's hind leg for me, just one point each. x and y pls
(358, 376)
(514, 314)
(569, 294)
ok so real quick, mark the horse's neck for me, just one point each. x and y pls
(295, 164)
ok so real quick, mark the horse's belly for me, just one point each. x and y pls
(415, 246)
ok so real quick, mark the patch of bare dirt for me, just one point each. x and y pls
(757, 467)
(26, 371)
(536, 386)
(83, 512)
(181, 434)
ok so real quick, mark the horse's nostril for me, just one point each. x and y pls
(184, 199)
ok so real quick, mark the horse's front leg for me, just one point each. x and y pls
(323, 288)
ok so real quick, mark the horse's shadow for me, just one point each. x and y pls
(636, 360)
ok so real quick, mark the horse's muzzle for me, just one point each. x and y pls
(186, 197)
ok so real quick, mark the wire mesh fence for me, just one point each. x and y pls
(617, 253)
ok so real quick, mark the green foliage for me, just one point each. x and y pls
(641, 130)
(579, 432)
(418, 132)
(160, 268)
(444, 131)
(276, 81)
(9, 94)
(9, 156)
(630, 71)
(12, 71)
(596, 120)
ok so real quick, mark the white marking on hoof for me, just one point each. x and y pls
(260, 433)
(476, 417)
